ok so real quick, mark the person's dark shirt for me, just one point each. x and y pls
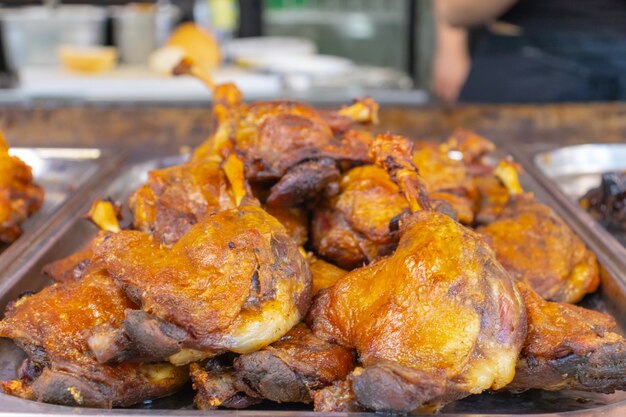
(598, 16)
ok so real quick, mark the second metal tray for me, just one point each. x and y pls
(65, 174)
(77, 232)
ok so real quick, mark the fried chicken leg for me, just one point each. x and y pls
(235, 281)
(289, 145)
(437, 320)
(53, 326)
(569, 347)
(537, 247)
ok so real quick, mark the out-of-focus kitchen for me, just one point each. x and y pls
(319, 50)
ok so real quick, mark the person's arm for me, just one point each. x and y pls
(467, 13)
(451, 61)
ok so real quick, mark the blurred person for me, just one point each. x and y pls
(451, 60)
(531, 51)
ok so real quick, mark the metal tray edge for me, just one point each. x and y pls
(30, 243)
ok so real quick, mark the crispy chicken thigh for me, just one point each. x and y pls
(176, 198)
(437, 320)
(19, 196)
(289, 145)
(53, 326)
(537, 247)
(289, 370)
(359, 223)
(569, 347)
(235, 281)
(353, 227)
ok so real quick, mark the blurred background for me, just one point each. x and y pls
(316, 50)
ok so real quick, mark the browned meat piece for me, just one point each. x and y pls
(305, 182)
(19, 195)
(437, 320)
(235, 281)
(176, 198)
(287, 370)
(295, 220)
(284, 141)
(492, 198)
(216, 386)
(359, 223)
(537, 247)
(569, 347)
(353, 227)
(336, 398)
(324, 274)
(52, 327)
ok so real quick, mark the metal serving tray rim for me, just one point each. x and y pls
(28, 243)
(13, 406)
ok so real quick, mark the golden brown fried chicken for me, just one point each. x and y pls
(437, 320)
(53, 326)
(353, 227)
(19, 196)
(289, 370)
(295, 220)
(537, 247)
(359, 223)
(76, 265)
(176, 198)
(289, 145)
(569, 347)
(324, 274)
(236, 281)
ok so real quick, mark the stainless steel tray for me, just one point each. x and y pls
(76, 232)
(65, 174)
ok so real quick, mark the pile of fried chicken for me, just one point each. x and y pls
(299, 257)
(20, 197)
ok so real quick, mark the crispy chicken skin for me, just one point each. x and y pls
(73, 267)
(235, 281)
(174, 199)
(359, 223)
(52, 327)
(353, 227)
(437, 320)
(289, 370)
(19, 196)
(324, 274)
(537, 247)
(569, 347)
(290, 145)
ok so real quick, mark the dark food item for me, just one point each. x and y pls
(216, 385)
(607, 203)
(289, 369)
